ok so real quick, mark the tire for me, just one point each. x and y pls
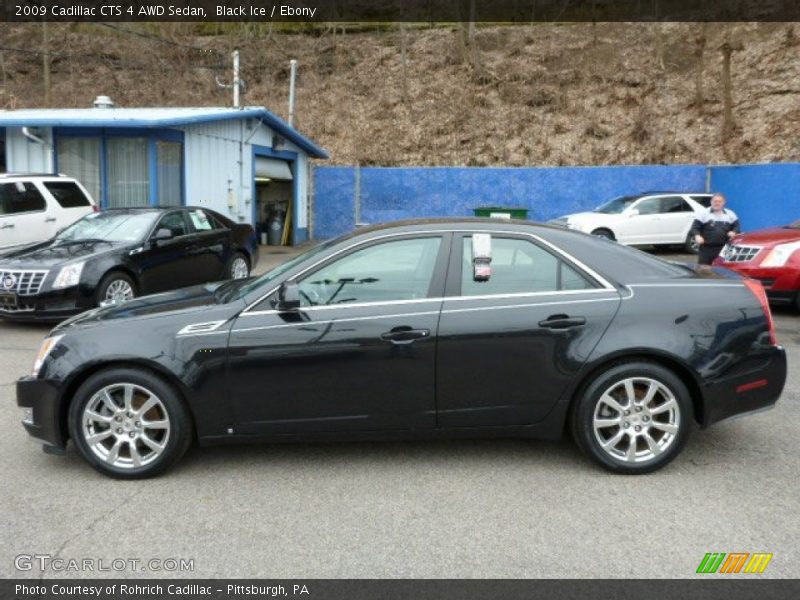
(116, 286)
(604, 233)
(690, 246)
(238, 267)
(595, 419)
(113, 440)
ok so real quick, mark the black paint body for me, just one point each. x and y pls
(489, 366)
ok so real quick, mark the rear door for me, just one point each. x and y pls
(676, 219)
(509, 347)
(68, 203)
(213, 246)
(358, 355)
(23, 214)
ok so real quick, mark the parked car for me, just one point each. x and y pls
(654, 218)
(34, 207)
(418, 329)
(116, 255)
(770, 255)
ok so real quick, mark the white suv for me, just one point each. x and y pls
(654, 218)
(34, 207)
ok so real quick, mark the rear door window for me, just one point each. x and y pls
(704, 201)
(518, 267)
(674, 204)
(202, 221)
(20, 197)
(67, 194)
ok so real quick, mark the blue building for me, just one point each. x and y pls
(245, 163)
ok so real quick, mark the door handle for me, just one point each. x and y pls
(49, 219)
(7, 226)
(562, 322)
(404, 335)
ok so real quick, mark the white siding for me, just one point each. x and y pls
(26, 156)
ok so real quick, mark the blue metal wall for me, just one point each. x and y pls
(761, 194)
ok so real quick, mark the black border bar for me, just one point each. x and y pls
(707, 588)
(382, 11)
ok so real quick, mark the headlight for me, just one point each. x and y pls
(69, 276)
(778, 256)
(47, 345)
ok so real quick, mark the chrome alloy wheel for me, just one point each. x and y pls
(126, 425)
(119, 290)
(636, 419)
(239, 268)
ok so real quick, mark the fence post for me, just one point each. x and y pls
(357, 196)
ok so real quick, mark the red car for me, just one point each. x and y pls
(770, 255)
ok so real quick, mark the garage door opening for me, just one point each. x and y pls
(274, 200)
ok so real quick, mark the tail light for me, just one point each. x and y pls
(758, 289)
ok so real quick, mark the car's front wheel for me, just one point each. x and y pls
(116, 287)
(633, 418)
(129, 423)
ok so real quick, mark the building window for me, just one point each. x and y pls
(79, 157)
(128, 175)
(169, 156)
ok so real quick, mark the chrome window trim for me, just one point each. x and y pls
(606, 286)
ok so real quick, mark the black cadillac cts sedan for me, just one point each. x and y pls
(118, 254)
(414, 330)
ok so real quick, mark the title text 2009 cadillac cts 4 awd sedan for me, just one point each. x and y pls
(417, 329)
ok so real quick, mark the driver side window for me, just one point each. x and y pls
(397, 270)
(175, 223)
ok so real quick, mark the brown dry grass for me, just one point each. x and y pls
(537, 95)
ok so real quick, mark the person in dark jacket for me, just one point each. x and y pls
(713, 228)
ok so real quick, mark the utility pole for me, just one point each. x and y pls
(292, 77)
(46, 64)
(236, 81)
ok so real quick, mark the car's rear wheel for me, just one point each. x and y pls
(691, 246)
(239, 268)
(116, 287)
(633, 418)
(129, 424)
(604, 233)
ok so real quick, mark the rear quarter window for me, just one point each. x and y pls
(67, 194)
(704, 201)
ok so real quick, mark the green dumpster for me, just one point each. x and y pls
(498, 212)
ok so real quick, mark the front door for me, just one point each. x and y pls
(168, 264)
(510, 346)
(24, 215)
(358, 355)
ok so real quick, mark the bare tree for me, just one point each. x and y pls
(727, 48)
(699, 52)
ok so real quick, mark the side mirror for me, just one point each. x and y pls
(288, 296)
(162, 235)
(634, 212)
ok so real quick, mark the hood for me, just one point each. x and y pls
(53, 253)
(773, 235)
(189, 300)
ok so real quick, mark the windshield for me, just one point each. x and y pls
(110, 227)
(617, 205)
(236, 289)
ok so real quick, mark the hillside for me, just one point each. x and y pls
(571, 94)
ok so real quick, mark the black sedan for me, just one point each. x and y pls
(115, 255)
(415, 330)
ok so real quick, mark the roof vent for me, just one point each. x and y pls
(103, 102)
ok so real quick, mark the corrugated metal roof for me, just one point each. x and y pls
(153, 117)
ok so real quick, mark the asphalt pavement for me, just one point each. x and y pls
(486, 508)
